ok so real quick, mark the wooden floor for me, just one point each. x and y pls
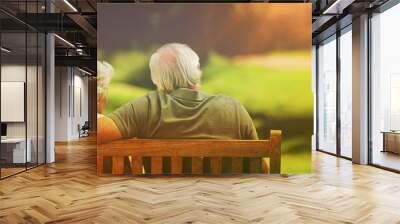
(387, 159)
(70, 192)
(5, 172)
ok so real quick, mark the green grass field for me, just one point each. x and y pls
(274, 88)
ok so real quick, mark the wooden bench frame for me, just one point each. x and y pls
(195, 148)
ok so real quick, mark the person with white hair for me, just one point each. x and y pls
(177, 109)
(104, 74)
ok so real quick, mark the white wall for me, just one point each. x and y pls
(17, 73)
(71, 102)
(12, 73)
(61, 114)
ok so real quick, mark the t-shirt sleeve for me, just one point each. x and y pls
(128, 118)
(247, 129)
(124, 119)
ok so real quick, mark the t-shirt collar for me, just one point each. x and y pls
(189, 94)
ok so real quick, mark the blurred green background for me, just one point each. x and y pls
(277, 95)
(272, 80)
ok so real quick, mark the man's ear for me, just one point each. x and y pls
(102, 103)
(196, 87)
(105, 99)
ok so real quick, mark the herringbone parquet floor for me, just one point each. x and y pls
(70, 192)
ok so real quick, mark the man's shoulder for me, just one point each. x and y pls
(143, 100)
(226, 102)
(226, 99)
(151, 95)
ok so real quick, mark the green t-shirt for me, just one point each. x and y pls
(184, 114)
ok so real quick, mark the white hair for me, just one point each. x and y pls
(175, 66)
(104, 75)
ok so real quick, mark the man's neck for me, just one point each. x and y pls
(195, 88)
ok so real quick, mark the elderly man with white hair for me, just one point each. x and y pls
(178, 109)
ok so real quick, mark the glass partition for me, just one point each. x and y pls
(32, 97)
(15, 152)
(346, 93)
(41, 97)
(385, 89)
(22, 92)
(327, 95)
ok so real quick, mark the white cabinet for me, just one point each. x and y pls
(15, 148)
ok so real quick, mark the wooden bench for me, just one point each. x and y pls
(136, 149)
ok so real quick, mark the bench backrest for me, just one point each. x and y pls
(136, 149)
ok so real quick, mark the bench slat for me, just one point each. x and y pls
(176, 165)
(156, 165)
(117, 165)
(216, 165)
(100, 164)
(136, 165)
(197, 165)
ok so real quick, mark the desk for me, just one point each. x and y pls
(391, 141)
(13, 150)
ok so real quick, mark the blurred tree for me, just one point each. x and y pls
(229, 29)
